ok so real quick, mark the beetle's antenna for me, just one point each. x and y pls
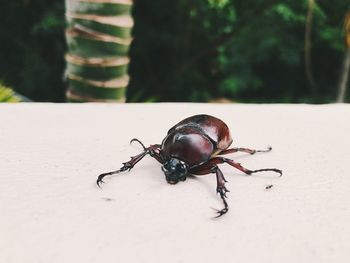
(137, 140)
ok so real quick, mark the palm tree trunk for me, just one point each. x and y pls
(98, 38)
(346, 66)
(307, 50)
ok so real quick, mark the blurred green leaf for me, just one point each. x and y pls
(218, 3)
(7, 95)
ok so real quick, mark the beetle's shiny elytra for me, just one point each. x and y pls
(194, 147)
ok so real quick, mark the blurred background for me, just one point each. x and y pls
(259, 51)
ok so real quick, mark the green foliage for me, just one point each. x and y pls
(244, 50)
(218, 3)
(32, 48)
(7, 95)
(250, 51)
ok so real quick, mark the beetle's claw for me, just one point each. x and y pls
(269, 149)
(99, 182)
(126, 166)
(266, 170)
(220, 212)
(277, 171)
(137, 140)
(222, 191)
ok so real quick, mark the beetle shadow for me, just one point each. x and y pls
(208, 185)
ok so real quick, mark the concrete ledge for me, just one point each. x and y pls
(52, 211)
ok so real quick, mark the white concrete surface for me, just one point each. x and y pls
(52, 211)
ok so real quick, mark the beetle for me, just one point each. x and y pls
(194, 147)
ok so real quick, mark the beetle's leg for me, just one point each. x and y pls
(211, 167)
(153, 151)
(126, 166)
(246, 150)
(208, 168)
(137, 140)
(217, 160)
(247, 171)
(221, 189)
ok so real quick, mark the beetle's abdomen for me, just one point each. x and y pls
(189, 145)
(212, 127)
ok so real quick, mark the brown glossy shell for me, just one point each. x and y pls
(196, 139)
(211, 126)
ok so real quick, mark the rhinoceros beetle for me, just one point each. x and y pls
(194, 147)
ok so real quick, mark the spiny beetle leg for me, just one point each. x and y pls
(246, 150)
(220, 182)
(221, 189)
(153, 150)
(217, 160)
(225, 209)
(126, 166)
(137, 140)
(267, 170)
(269, 149)
(208, 168)
(101, 176)
(221, 212)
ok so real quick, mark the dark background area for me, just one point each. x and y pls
(190, 50)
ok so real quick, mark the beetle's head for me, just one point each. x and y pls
(175, 170)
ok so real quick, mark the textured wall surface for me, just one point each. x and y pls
(52, 211)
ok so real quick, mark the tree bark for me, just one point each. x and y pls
(346, 66)
(98, 37)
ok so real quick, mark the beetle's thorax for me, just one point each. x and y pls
(189, 145)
